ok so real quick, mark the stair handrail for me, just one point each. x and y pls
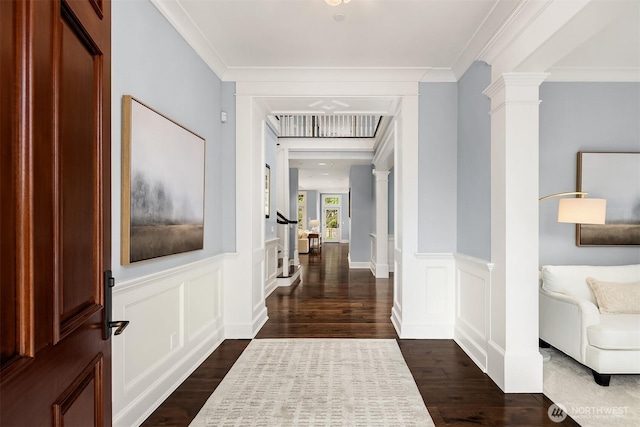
(283, 220)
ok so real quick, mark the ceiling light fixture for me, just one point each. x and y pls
(336, 2)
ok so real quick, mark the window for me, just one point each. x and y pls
(302, 210)
(332, 200)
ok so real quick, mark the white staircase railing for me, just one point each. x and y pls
(284, 230)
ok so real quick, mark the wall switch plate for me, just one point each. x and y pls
(223, 116)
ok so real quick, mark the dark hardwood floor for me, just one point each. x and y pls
(335, 302)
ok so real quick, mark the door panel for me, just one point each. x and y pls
(8, 290)
(331, 224)
(55, 193)
(79, 138)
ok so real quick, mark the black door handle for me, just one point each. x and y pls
(120, 324)
(109, 283)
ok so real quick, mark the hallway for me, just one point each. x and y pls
(334, 301)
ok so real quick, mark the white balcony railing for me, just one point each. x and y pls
(328, 126)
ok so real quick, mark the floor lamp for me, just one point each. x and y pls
(579, 210)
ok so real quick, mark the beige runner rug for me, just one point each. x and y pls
(317, 382)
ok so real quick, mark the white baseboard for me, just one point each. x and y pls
(364, 264)
(474, 350)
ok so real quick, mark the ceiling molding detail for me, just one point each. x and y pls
(515, 35)
(484, 35)
(303, 74)
(522, 16)
(576, 74)
(184, 25)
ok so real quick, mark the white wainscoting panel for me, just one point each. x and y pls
(391, 250)
(175, 323)
(473, 284)
(271, 262)
(396, 310)
(258, 292)
(428, 306)
(373, 265)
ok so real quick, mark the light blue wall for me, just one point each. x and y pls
(152, 62)
(391, 217)
(582, 117)
(361, 182)
(313, 205)
(229, 168)
(344, 216)
(437, 136)
(271, 140)
(474, 163)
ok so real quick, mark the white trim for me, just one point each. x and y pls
(271, 264)
(473, 283)
(278, 89)
(429, 311)
(339, 74)
(145, 403)
(170, 296)
(601, 74)
(128, 285)
(522, 17)
(184, 25)
(358, 265)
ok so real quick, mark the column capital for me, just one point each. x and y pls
(508, 80)
(380, 175)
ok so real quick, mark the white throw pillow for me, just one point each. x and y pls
(615, 297)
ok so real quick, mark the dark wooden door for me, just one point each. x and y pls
(55, 225)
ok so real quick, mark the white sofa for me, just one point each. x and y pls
(303, 242)
(573, 321)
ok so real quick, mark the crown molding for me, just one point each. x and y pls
(339, 74)
(175, 14)
(184, 25)
(439, 75)
(600, 74)
(484, 34)
(521, 18)
(327, 88)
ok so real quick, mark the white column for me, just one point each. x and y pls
(244, 307)
(381, 267)
(282, 185)
(514, 362)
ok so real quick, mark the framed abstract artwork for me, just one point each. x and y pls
(163, 166)
(615, 177)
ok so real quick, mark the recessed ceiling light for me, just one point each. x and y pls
(325, 174)
(322, 164)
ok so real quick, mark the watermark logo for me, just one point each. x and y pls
(557, 412)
